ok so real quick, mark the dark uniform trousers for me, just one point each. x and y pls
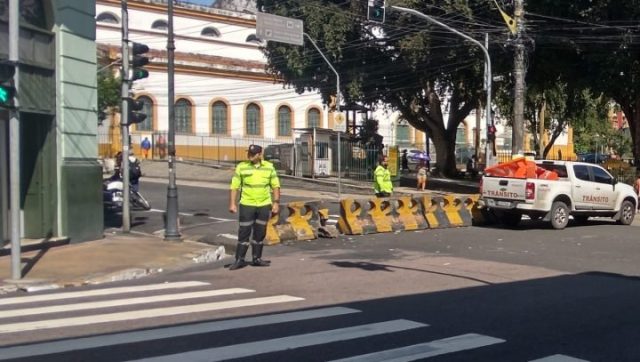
(252, 218)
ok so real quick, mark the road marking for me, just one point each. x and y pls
(192, 215)
(121, 302)
(229, 236)
(98, 292)
(107, 340)
(426, 350)
(142, 314)
(285, 343)
(559, 358)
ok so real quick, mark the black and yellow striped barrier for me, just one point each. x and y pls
(406, 213)
(298, 220)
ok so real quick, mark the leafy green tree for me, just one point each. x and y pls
(109, 97)
(406, 63)
(603, 46)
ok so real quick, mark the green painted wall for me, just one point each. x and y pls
(79, 174)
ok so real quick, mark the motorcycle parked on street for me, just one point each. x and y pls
(112, 196)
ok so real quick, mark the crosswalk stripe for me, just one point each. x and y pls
(141, 314)
(121, 302)
(426, 350)
(45, 348)
(559, 358)
(99, 292)
(285, 343)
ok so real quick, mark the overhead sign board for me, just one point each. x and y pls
(279, 28)
(339, 122)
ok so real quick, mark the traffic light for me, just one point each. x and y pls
(7, 90)
(135, 116)
(139, 61)
(375, 10)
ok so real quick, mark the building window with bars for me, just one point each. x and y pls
(183, 116)
(284, 121)
(253, 120)
(313, 118)
(219, 118)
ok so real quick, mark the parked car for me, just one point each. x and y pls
(593, 157)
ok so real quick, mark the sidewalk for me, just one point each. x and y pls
(116, 257)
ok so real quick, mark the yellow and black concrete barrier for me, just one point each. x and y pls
(298, 220)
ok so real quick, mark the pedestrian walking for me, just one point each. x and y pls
(404, 161)
(421, 176)
(382, 178)
(162, 147)
(146, 146)
(257, 180)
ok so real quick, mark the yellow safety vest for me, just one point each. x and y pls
(382, 180)
(256, 182)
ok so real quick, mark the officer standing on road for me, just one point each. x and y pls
(382, 178)
(256, 179)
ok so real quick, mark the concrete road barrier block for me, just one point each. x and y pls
(410, 213)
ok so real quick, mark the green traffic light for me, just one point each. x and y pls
(5, 95)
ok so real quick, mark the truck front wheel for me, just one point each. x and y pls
(559, 215)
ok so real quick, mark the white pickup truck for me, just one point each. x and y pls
(581, 190)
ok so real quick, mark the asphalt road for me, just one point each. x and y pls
(464, 294)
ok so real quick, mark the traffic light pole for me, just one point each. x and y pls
(171, 232)
(488, 77)
(14, 143)
(124, 120)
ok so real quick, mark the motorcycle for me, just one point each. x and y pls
(112, 196)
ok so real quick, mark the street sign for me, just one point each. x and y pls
(279, 28)
(339, 122)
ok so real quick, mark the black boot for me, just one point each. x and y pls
(241, 251)
(256, 250)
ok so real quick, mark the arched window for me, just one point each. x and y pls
(219, 118)
(313, 118)
(284, 121)
(253, 39)
(107, 17)
(160, 25)
(403, 132)
(210, 31)
(147, 109)
(253, 119)
(183, 116)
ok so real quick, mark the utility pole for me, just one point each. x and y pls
(124, 119)
(517, 142)
(171, 232)
(14, 143)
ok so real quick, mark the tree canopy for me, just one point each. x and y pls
(581, 53)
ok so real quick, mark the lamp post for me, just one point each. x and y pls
(488, 158)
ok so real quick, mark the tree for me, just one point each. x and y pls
(604, 46)
(109, 97)
(405, 63)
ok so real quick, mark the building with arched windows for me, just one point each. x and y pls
(224, 98)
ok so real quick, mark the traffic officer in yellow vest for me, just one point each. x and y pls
(382, 178)
(256, 179)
